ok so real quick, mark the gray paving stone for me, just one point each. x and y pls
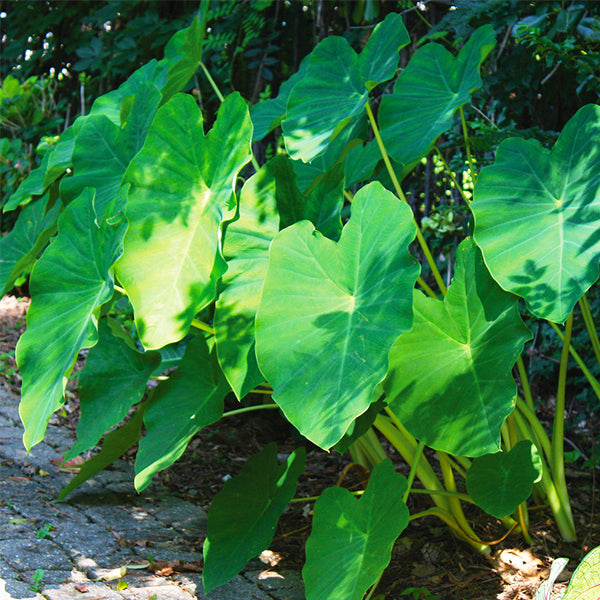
(68, 591)
(31, 554)
(89, 530)
(14, 589)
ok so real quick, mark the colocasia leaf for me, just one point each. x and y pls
(537, 216)
(330, 312)
(450, 380)
(351, 539)
(428, 92)
(182, 184)
(243, 516)
(77, 264)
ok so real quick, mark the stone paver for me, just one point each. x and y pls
(102, 527)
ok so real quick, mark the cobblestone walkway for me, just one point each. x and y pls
(103, 527)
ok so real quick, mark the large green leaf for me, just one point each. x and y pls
(68, 285)
(268, 114)
(450, 380)
(113, 380)
(246, 249)
(182, 57)
(537, 216)
(499, 482)
(426, 94)
(182, 186)
(378, 60)
(189, 400)
(330, 312)
(183, 54)
(335, 88)
(103, 150)
(20, 248)
(351, 540)
(243, 515)
(585, 582)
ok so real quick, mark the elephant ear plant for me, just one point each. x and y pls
(303, 273)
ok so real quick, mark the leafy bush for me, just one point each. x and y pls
(271, 280)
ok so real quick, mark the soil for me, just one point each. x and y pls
(426, 558)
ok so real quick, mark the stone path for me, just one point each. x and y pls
(101, 528)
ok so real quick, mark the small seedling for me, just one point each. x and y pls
(36, 584)
(42, 532)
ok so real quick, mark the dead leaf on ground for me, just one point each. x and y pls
(515, 566)
(269, 557)
(268, 574)
(82, 588)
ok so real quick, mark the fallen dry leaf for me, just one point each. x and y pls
(82, 588)
(268, 573)
(269, 557)
(165, 572)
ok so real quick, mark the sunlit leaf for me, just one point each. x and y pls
(78, 262)
(330, 312)
(182, 184)
(537, 216)
(450, 380)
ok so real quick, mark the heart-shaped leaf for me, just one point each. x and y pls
(78, 261)
(455, 390)
(330, 312)
(113, 380)
(335, 87)
(103, 151)
(499, 482)
(585, 582)
(182, 186)
(426, 94)
(243, 515)
(537, 216)
(351, 539)
(193, 398)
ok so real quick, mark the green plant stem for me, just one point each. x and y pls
(406, 445)
(525, 383)
(594, 384)
(413, 469)
(349, 196)
(440, 513)
(202, 326)
(386, 159)
(221, 98)
(557, 464)
(213, 85)
(452, 177)
(426, 288)
(533, 429)
(468, 146)
(246, 409)
(588, 319)
(119, 289)
(523, 522)
(374, 587)
(450, 485)
(458, 495)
